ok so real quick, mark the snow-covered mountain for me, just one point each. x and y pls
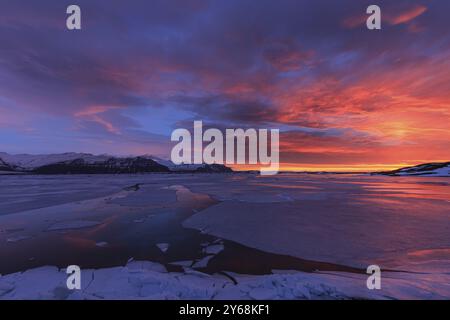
(84, 163)
(28, 162)
(5, 166)
(78, 163)
(437, 169)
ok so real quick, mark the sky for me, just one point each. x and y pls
(344, 97)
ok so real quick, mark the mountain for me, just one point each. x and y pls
(78, 163)
(84, 163)
(213, 168)
(4, 166)
(28, 162)
(189, 168)
(111, 165)
(436, 169)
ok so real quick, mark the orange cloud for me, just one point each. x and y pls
(390, 118)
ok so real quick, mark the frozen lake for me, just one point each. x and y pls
(238, 223)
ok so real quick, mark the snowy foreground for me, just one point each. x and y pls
(186, 236)
(147, 280)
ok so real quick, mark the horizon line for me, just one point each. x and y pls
(283, 167)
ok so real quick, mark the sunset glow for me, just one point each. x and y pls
(344, 98)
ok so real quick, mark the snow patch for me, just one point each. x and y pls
(148, 280)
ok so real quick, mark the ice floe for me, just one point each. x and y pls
(101, 244)
(163, 246)
(213, 249)
(17, 238)
(68, 225)
(149, 280)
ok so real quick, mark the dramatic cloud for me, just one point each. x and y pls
(343, 96)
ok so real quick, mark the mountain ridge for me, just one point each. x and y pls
(86, 163)
(432, 169)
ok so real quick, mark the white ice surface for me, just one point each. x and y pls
(399, 222)
(146, 280)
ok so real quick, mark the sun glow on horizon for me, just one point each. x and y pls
(293, 167)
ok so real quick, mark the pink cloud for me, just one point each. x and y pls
(93, 113)
(387, 16)
(406, 16)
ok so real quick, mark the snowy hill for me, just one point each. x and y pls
(28, 162)
(438, 169)
(78, 163)
(5, 166)
(84, 163)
